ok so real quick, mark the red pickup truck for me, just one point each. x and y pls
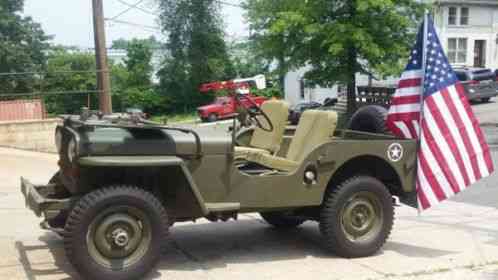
(224, 107)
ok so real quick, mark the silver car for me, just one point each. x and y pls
(480, 83)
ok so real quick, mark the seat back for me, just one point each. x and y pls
(278, 112)
(315, 128)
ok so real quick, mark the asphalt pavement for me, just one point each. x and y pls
(455, 240)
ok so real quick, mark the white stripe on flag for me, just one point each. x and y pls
(425, 186)
(433, 165)
(443, 146)
(470, 131)
(457, 136)
(405, 108)
(417, 127)
(409, 91)
(404, 129)
(412, 74)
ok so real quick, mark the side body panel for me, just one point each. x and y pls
(219, 180)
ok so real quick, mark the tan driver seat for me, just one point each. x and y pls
(314, 129)
(267, 142)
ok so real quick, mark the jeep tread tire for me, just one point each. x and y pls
(337, 199)
(370, 118)
(281, 219)
(88, 209)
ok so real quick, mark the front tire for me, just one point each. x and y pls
(282, 220)
(357, 217)
(115, 233)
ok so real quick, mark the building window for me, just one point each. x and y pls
(458, 16)
(457, 50)
(452, 16)
(464, 16)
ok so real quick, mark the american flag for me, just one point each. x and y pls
(430, 105)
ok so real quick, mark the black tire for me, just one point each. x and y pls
(370, 118)
(123, 208)
(283, 220)
(485, 100)
(346, 199)
(212, 117)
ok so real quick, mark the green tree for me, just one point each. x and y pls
(246, 61)
(196, 51)
(122, 43)
(337, 38)
(69, 71)
(134, 81)
(22, 47)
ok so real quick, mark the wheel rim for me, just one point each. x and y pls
(362, 217)
(119, 237)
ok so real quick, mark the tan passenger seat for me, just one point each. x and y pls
(314, 129)
(267, 142)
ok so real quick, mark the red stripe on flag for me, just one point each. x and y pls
(438, 154)
(450, 102)
(407, 117)
(477, 128)
(434, 184)
(421, 196)
(402, 100)
(445, 131)
(410, 83)
(395, 129)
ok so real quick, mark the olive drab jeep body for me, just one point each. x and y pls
(123, 182)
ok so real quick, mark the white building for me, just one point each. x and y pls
(468, 30)
(296, 90)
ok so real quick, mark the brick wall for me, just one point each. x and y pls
(29, 135)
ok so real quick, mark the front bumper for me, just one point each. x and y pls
(38, 199)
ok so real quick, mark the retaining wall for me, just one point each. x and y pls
(36, 135)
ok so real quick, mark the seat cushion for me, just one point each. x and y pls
(243, 152)
(314, 129)
(273, 162)
(278, 112)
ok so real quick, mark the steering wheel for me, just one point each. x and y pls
(253, 112)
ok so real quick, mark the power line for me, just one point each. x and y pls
(138, 8)
(229, 4)
(134, 6)
(145, 27)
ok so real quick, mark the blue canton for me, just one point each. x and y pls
(438, 73)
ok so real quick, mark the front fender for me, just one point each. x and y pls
(148, 161)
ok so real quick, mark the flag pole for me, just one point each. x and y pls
(424, 65)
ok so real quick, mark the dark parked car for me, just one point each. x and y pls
(480, 83)
(296, 111)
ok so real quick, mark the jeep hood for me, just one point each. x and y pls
(139, 141)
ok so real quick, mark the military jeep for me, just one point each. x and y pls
(124, 182)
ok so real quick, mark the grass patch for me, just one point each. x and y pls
(176, 118)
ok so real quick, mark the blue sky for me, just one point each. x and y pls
(70, 21)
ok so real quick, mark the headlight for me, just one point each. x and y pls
(71, 150)
(58, 139)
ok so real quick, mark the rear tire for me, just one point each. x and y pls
(485, 100)
(116, 233)
(212, 117)
(283, 220)
(356, 217)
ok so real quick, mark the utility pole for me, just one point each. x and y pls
(103, 78)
